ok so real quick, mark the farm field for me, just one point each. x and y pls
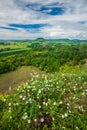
(12, 48)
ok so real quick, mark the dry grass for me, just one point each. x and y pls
(17, 77)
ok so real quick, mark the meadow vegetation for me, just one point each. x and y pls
(54, 99)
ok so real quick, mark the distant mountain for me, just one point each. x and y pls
(42, 40)
(77, 40)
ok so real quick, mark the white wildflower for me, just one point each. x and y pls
(25, 116)
(29, 121)
(66, 115)
(63, 116)
(35, 120)
(39, 106)
(9, 110)
(9, 104)
(30, 99)
(26, 102)
(77, 128)
(42, 120)
(39, 91)
(46, 103)
(53, 118)
(54, 103)
(17, 104)
(10, 117)
(28, 86)
(18, 89)
(21, 96)
(60, 102)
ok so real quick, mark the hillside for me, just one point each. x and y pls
(47, 85)
(53, 102)
(18, 77)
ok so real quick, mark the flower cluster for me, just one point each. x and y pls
(53, 101)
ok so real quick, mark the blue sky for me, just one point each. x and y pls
(30, 19)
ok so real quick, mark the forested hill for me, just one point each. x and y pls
(47, 55)
(47, 40)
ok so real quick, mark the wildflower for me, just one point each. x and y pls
(28, 86)
(39, 91)
(35, 120)
(69, 111)
(17, 104)
(48, 99)
(9, 104)
(60, 102)
(18, 89)
(54, 103)
(26, 102)
(63, 116)
(30, 99)
(29, 121)
(46, 112)
(81, 108)
(43, 103)
(23, 98)
(77, 128)
(25, 116)
(63, 127)
(83, 93)
(74, 97)
(42, 120)
(9, 110)
(39, 106)
(66, 115)
(53, 118)
(46, 103)
(20, 96)
(37, 97)
(37, 76)
(68, 104)
(10, 117)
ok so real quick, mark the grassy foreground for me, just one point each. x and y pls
(52, 102)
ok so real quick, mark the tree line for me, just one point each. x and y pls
(47, 57)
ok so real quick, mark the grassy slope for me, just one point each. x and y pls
(17, 77)
(53, 102)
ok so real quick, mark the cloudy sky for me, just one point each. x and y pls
(30, 19)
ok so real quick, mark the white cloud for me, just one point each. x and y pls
(67, 25)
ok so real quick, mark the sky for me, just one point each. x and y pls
(51, 19)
